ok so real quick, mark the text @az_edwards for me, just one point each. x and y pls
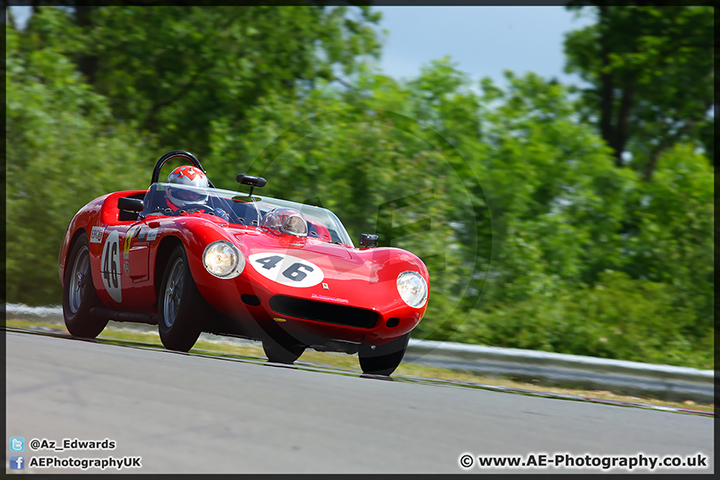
(71, 444)
(585, 461)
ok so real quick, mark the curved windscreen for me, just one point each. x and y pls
(239, 209)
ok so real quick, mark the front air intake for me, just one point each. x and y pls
(324, 312)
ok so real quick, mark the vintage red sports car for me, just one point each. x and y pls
(238, 264)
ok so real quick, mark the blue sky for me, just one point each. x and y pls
(481, 40)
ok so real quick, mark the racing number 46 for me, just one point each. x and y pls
(110, 271)
(293, 272)
(110, 264)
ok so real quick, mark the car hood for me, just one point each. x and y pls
(337, 262)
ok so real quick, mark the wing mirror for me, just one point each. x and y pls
(368, 240)
(252, 181)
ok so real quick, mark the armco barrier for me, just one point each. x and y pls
(634, 378)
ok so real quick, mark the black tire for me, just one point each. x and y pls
(181, 308)
(384, 359)
(79, 294)
(282, 352)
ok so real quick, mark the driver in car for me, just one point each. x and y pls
(178, 199)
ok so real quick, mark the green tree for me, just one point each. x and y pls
(565, 216)
(557, 200)
(172, 70)
(63, 149)
(651, 76)
(674, 240)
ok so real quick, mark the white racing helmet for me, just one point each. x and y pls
(192, 177)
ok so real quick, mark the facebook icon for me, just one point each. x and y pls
(17, 462)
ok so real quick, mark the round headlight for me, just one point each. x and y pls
(223, 259)
(412, 288)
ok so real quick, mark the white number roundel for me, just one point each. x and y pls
(286, 269)
(110, 266)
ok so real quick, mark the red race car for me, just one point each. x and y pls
(193, 258)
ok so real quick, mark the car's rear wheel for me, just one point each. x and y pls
(79, 294)
(383, 359)
(181, 308)
(282, 351)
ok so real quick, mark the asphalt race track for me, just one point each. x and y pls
(197, 414)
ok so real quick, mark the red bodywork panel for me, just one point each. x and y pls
(127, 270)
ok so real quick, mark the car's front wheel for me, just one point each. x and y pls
(383, 359)
(282, 352)
(181, 308)
(79, 294)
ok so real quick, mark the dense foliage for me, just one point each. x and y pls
(534, 234)
(651, 75)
